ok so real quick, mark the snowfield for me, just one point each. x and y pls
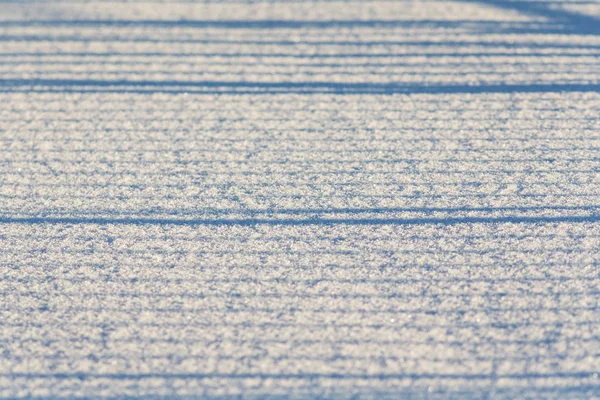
(380, 199)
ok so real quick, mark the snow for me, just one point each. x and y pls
(299, 199)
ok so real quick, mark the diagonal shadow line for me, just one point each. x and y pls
(574, 22)
(298, 222)
(293, 87)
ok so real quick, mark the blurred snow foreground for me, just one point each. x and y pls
(300, 199)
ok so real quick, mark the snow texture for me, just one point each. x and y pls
(381, 199)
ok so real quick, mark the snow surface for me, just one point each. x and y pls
(300, 199)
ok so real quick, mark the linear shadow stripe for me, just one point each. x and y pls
(293, 87)
(378, 210)
(308, 56)
(84, 376)
(484, 26)
(292, 222)
(300, 41)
